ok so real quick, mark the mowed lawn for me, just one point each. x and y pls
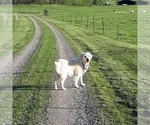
(113, 70)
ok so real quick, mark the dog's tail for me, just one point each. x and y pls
(58, 67)
(61, 66)
(57, 64)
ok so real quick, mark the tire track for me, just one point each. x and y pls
(24, 55)
(67, 107)
(21, 59)
(8, 65)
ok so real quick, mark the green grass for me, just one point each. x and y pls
(78, 16)
(113, 71)
(5, 34)
(32, 87)
(5, 29)
(23, 31)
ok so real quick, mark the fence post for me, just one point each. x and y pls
(45, 12)
(103, 25)
(4, 16)
(87, 22)
(93, 24)
(81, 21)
(59, 16)
(118, 25)
(16, 16)
(71, 20)
(62, 17)
(76, 20)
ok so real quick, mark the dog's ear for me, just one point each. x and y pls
(91, 55)
(82, 54)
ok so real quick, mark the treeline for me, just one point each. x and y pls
(63, 2)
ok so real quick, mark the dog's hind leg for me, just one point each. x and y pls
(57, 79)
(56, 85)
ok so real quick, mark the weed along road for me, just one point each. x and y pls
(67, 107)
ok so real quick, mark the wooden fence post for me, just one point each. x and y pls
(71, 20)
(103, 25)
(62, 17)
(4, 16)
(81, 21)
(93, 24)
(76, 20)
(87, 22)
(45, 12)
(118, 26)
(16, 16)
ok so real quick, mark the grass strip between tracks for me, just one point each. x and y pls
(31, 90)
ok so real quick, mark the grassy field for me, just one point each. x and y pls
(31, 87)
(113, 71)
(102, 20)
(23, 31)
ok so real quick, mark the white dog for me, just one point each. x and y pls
(74, 67)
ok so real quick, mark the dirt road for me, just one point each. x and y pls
(67, 107)
(7, 64)
(20, 60)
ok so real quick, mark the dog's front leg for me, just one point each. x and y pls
(76, 81)
(81, 80)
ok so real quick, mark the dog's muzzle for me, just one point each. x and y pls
(87, 59)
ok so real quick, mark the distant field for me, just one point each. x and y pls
(119, 23)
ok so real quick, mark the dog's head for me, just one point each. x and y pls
(86, 58)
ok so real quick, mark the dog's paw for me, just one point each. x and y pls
(83, 84)
(77, 86)
(56, 87)
(64, 88)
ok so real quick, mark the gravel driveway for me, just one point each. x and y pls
(21, 59)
